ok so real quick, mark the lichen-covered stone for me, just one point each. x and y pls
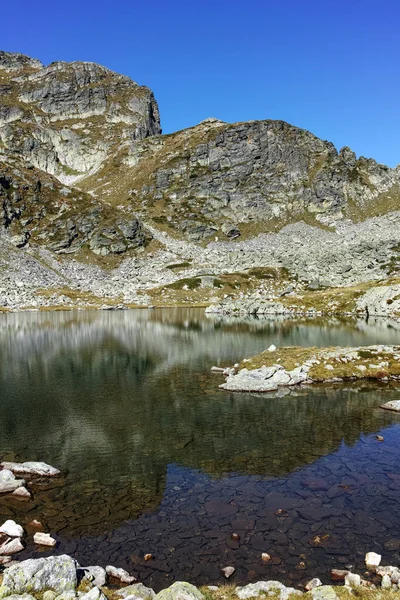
(180, 590)
(57, 573)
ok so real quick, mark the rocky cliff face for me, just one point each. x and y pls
(68, 118)
(223, 178)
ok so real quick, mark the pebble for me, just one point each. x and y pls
(228, 571)
(11, 528)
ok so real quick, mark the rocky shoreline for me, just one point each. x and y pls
(291, 366)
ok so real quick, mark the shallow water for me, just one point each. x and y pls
(157, 459)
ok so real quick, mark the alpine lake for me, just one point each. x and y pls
(155, 458)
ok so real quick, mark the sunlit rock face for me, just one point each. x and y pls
(68, 118)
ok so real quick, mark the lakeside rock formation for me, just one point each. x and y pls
(99, 209)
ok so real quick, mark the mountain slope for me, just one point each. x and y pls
(97, 205)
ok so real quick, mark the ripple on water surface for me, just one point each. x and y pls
(158, 460)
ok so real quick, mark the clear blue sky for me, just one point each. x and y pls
(330, 66)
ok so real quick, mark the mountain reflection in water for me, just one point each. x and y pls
(124, 403)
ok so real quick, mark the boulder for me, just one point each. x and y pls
(137, 590)
(11, 528)
(57, 573)
(352, 580)
(180, 590)
(372, 560)
(325, 592)
(31, 468)
(261, 588)
(96, 575)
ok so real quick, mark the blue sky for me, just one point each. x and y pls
(330, 66)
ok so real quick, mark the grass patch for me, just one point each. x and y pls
(332, 362)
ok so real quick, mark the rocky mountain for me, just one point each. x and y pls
(99, 207)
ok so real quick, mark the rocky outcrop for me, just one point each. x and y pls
(35, 207)
(220, 178)
(68, 118)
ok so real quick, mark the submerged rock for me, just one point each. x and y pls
(120, 574)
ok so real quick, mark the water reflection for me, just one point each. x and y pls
(116, 398)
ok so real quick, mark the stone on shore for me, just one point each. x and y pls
(180, 590)
(372, 560)
(12, 529)
(31, 468)
(22, 492)
(392, 572)
(7, 487)
(57, 573)
(96, 575)
(352, 580)
(120, 574)
(94, 594)
(137, 590)
(392, 405)
(314, 583)
(11, 546)
(44, 539)
(6, 475)
(254, 590)
(325, 592)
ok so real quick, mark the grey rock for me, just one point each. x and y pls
(180, 590)
(137, 590)
(261, 588)
(31, 468)
(7, 487)
(57, 573)
(96, 575)
(325, 592)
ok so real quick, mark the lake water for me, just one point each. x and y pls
(156, 459)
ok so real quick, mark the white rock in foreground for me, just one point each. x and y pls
(57, 573)
(31, 468)
(372, 560)
(44, 539)
(12, 529)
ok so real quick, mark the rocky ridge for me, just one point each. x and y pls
(99, 209)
